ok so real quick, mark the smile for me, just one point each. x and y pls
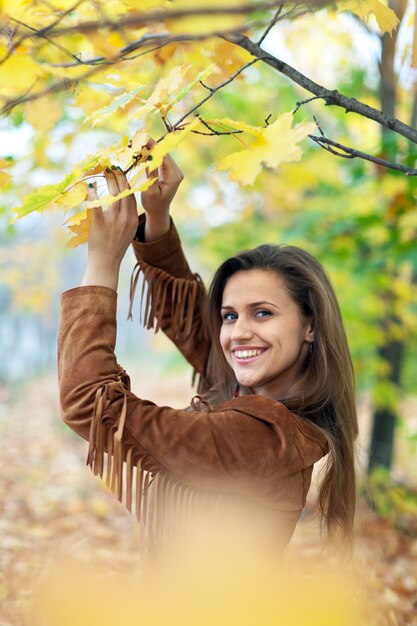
(248, 354)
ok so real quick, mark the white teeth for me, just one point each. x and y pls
(245, 354)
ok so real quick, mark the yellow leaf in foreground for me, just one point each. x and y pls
(44, 197)
(275, 144)
(70, 199)
(385, 16)
(108, 200)
(80, 228)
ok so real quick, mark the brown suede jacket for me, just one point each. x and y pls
(251, 446)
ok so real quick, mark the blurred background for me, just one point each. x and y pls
(358, 218)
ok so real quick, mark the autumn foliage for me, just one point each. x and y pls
(116, 57)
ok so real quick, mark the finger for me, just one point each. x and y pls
(170, 170)
(112, 185)
(92, 195)
(152, 173)
(128, 203)
(120, 177)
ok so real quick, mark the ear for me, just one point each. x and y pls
(309, 330)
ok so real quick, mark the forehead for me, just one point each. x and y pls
(255, 285)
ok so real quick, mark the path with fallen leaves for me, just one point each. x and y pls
(51, 505)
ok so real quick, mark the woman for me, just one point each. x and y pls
(276, 382)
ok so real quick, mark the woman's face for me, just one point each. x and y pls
(264, 337)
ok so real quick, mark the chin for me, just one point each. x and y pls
(247, 382)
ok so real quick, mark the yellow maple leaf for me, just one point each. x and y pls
(170, 142)
(79, 226)
(106, 201)
(169, 85)
(70, 198)
(228, 57)
(385, 16)
(275, 144)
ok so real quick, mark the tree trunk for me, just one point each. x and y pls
(382, 440)
(382, 443)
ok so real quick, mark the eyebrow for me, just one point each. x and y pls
(252, 304)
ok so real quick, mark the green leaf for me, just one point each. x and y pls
(40, 199)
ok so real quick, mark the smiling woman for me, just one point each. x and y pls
(275, 379)
(264, 336)
(281, 335)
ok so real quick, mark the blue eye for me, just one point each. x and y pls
(263, 313)
(229, 317)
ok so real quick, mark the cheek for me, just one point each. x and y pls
(224, 337)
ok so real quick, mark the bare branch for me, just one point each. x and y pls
(213, 91)
(350, 153)
(271, 24)
(298, 105)
(213, 132)
(178, 125)
(331, 97)
(62, 85)
(161, 39)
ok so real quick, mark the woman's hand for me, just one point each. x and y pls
(111, 232)
(157, 199)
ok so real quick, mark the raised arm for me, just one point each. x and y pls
(246, 443)
(174, 297)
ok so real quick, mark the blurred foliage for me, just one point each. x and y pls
(394, 501)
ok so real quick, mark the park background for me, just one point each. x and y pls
(358, 217)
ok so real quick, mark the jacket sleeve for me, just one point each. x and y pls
(211, 450)
(172, 297)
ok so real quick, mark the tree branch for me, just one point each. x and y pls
(213, 91)
(38, 33)
(179, 123)
(331, 97)
(345, 152)
(141, 19)
(272, 23)
(62, 85)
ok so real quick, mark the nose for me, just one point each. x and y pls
(242, 329)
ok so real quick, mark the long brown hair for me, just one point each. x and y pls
(324, 393)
